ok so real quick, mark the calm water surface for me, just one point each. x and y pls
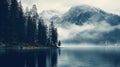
(63, 57)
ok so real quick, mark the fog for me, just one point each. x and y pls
(92, 30)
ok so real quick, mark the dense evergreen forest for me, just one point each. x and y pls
(19, 27)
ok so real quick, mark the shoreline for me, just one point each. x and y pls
(28, 47)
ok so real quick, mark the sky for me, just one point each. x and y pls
(112, 6)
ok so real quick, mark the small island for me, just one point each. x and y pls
(25, 29)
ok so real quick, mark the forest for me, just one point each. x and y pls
(19, 27)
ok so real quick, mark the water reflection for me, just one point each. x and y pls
(29, 58)
(66, 57)
(90, 57)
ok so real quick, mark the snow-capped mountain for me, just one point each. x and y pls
(90, 24)
(82, 24)
(85, 13)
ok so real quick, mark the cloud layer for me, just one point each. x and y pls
(88, 31)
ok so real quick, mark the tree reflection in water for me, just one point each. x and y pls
(29, 58)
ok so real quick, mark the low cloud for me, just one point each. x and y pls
(93, 30)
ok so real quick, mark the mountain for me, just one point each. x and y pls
(85, 13)
(50, 15)
(87, 24)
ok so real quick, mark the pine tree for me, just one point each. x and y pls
(59, 43)
(31, 27)
(42, 33)
(53, 36)
(21, 25)
(14, 19)
(34, 15)
(34, 11)
(4, 10)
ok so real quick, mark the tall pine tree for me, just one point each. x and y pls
(21, 25)
(14, 19)
(42, 33)
(4, 22)
(31, 27)
(53, 36)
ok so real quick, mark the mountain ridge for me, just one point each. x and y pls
(80, 14)
(88, 24)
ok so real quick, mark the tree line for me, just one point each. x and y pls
(18, 27)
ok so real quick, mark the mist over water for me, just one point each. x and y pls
(90, 45)
(89, 57)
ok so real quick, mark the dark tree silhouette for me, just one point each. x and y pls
(31, 27)
(42, 32)
(59, 43)
(35, 16)
(32, 17)
(53, 36)
(4, 23)
(21, 25)
(14, 19)
(17, 27)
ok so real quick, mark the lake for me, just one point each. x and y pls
(62, 57)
